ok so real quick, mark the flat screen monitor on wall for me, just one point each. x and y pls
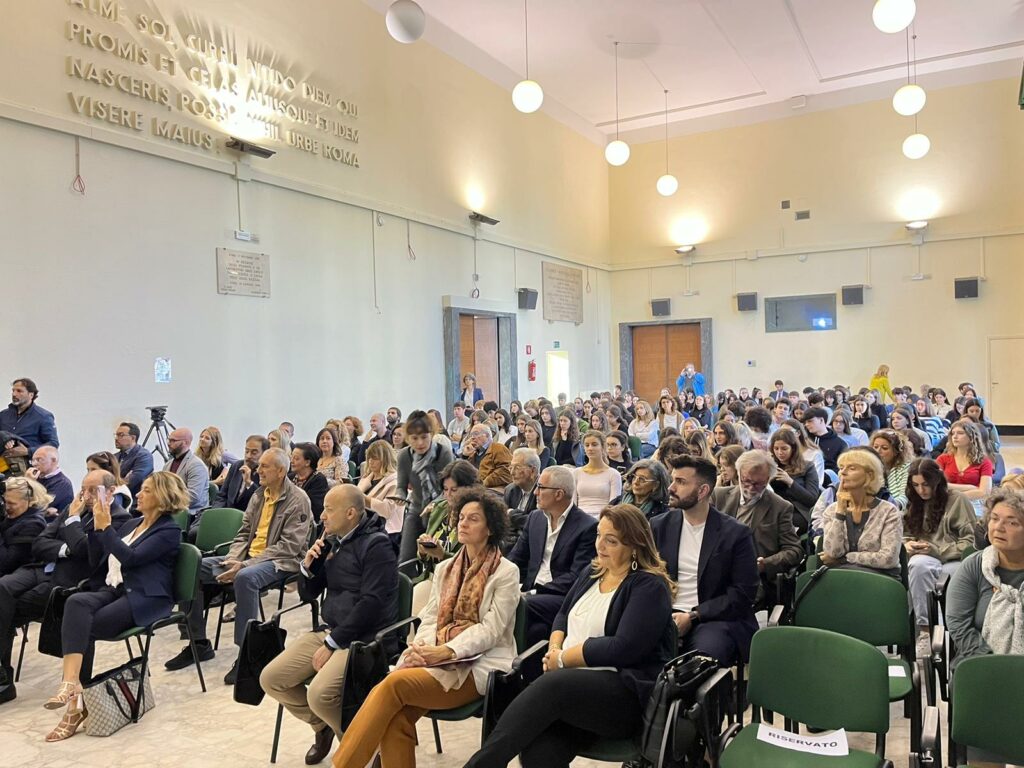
(788, 314)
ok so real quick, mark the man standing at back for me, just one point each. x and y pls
(190, 468)
(690, 378)
(30, 422)
(136, 462)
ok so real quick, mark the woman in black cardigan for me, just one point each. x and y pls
(608, 643)
(796, 480)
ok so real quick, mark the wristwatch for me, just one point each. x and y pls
(694, 616)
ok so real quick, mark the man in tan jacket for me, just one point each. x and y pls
(492, 459)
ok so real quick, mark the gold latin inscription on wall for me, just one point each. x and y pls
(206, 85)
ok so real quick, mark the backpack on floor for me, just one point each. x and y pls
(679, 681)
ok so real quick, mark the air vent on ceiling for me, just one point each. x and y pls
(803, 215)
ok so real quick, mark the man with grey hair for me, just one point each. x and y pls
(556, 545)
(520, 496)
(46, 469)
(190, 468)
(268, 547)
(492, 459)
(752, 502)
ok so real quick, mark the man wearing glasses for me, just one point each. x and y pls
(136, 462)
(190, 468)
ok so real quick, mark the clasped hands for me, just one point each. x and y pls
(422, 655)
(231, 569)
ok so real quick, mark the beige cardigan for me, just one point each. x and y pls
(494, 636)
(392, 511)
(880, 541)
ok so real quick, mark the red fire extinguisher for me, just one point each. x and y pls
(531, 370)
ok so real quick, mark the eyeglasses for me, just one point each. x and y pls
(641, 479)
(547, 488)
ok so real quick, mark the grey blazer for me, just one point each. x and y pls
(197, 479)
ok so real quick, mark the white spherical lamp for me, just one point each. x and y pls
(909, 100)
(527, 96)
(617, 152)
(892, 16)
(405, 21)
(667, 185)
(916, 146)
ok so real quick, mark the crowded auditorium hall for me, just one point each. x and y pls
(534, 383)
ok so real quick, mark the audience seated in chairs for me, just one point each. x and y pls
(795, 479)
(646, 488)
(354, 561)
(107, 462)
(711, 559)
(492, 459)
(191, 470)
(471, 613)
(967, 467)
(60, 558)
(135, 589)
(26, 502)
(609, 641)
(46, 470)
(554, 548)
(862, 530)
(267, 548)
(378, 484)
(243, 479)
(419, 466)
(768, 515)
(331, 464)
(305, 457)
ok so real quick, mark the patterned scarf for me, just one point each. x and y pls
(462, 593)
(423, 468)
(1003, 628)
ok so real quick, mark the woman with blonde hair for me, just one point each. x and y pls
(967, 467)
(880, 383)
(378, 485)
(211, 452)
(26, 501)
(533, 437)
(645, 428)
(279, 439)
(725, 460)
(697, 445)
(691, 425)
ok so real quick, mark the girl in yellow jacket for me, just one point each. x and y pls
(880, 382)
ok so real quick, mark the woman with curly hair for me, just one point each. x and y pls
(896, 453)
(967, 467)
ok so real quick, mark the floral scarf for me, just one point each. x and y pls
(1003, 627)
(462, 593)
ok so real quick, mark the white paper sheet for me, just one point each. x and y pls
(897, 672)
(833, 744)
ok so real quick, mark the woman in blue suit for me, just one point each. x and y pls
(135, 589)
(471, 393)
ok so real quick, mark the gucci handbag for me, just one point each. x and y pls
(112, 700)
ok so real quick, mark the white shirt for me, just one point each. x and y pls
(595, 490)
(114, 576)
(588, 617)
(689, 556)
(544, 570)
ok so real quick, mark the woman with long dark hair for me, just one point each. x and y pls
(566, 441)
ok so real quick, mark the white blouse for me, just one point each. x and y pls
(588, 617)
(114, 576)
(595, 490)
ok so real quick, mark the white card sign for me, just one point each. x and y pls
(240, 273)
(833, 744)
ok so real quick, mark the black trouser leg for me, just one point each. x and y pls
(12, 587)
(412, 527)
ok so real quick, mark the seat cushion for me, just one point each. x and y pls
(466, 711)
(746, 751)
(611, 750)
(899, 687)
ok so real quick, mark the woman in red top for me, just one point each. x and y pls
(966, 466)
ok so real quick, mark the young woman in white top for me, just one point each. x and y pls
(668, 414)
(596, 482)
(646, 428)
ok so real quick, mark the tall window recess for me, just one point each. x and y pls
(787, 314)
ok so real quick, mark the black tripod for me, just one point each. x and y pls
(158, 427)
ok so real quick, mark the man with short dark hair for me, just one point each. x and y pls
(779, 414)
(822, 435)
(243, 476)
(190, 468)
(31, 423)
(459, 425)
(136, 462)
(711, 558)
(393, 418)
(46, 469)
(779, 393)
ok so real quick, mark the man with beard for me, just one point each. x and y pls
(243, 479)
(190, 468)
(711, 558)
(394, 418)
(29, 422)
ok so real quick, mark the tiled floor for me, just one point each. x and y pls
(189, 729)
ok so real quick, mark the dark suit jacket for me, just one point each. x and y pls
(513, 495)
(231, 495)
(16, 537)
(571, 556)
(771, 523)
(136, 466)
(75, 565)
(727, 578)
(639, 635)
(147, 565)
(316, 488)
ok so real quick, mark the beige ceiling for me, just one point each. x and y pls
(722, 61)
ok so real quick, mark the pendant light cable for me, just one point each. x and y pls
(616, 90)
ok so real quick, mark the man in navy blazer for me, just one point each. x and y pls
(711, 558)
(243, 476)
(556, 545)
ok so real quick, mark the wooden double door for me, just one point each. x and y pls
(659, 354)
(478, 352)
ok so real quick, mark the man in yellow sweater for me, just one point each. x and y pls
(267, 548)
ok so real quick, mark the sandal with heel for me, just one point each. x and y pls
(65, 694)
(68, 725)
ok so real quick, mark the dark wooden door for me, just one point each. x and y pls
(659, 354)
(478, 352)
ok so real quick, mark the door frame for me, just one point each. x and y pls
(1004, 429)
(508, 380)
(626, 350)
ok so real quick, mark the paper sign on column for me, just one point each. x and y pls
(833, 744)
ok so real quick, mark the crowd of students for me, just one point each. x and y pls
(631, 532)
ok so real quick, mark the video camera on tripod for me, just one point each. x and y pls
(158, 425)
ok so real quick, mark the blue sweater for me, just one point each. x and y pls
(35, 426)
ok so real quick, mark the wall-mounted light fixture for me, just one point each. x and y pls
(685, 249)
(248, 148)
(480, 218)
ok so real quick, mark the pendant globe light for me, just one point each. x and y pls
(616, 152)
(892, 16)
(527, 96)
(405, 21)
(910, 98)
(667, 184)
(917, 144)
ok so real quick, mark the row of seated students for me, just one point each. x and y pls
(718, 570)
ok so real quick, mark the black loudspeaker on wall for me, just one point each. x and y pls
(527, 298)
(746, 302)
(965, 288)
(853, 294)
(661, 307)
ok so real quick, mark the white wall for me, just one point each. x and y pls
(105, 283)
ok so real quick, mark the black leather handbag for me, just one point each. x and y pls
(53, 617)
(366, 666)
(679, 680)
(261, 645)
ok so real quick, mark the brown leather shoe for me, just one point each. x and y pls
(321, 746)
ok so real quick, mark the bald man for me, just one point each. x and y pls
(190, 468)
(355, 562)
(46, 469)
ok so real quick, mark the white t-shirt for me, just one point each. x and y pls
(544, 569)
(690, 541)
(595, 490)
(587, 619)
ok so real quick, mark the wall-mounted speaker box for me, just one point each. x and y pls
(527, 298)
(965, 288)
(852, 295)
(661, 307)
(746, 302)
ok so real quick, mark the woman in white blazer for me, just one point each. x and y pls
(467, 630)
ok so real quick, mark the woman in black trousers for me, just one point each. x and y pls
(608, 644)
(135, 589)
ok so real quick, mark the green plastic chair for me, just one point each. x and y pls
(986, 706)
(353, 471)
(217, 528)
(181, 519)
(820, 679)
(873, 608)
(212, 492)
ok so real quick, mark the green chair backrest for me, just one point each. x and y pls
(868, 606)
(634, 447)
(212, 493)
(520, 630)
(181, 518)
(217, 526)
(850, 679)
(988, 699)
(404, 597)
(186, 573)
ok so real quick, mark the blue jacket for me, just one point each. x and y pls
(639, 634)
(136, 465)
(35, 426)
(16, 537)
(60, 487)
(478, 394)
(696, 383)
(727, 577)
(147, 565)
(571, 556)
(360, 574)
